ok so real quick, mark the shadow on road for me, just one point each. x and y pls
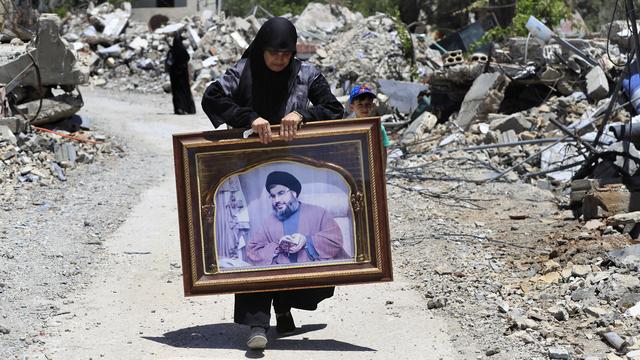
(232, 336)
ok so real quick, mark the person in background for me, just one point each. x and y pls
(424, 104)
(270, 86)
(361, 103)
(177, 64)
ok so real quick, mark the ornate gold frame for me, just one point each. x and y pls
(351, 148)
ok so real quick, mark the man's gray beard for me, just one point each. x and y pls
(290, 208)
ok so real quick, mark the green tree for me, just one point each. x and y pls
(550, 12)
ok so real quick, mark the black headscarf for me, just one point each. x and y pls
(269, 89)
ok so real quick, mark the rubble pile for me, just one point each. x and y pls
(132, 57)
(529, 107)
(508, 263)
(370, 50)
(39, 94)
(43, 157)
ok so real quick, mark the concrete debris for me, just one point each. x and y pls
(52, 109)
(614, 340)
(419, 128)
(484, 97)
(7, 134)
(370, 50)
(597, 84)
(321, 19)
(559, 352)
(608, 201)
(516, 122)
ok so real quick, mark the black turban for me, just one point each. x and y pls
(284, 179)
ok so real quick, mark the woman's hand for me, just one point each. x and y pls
(263, 128)
(289, 125)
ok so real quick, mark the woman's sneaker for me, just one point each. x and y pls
(258, 338)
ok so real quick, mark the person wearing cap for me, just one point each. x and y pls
(268, 86)
(361, 103)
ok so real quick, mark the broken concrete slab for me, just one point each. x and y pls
(58, 65)
(627, 256)
(558, 352)
(14, 123)
(53, 109)
(507, 137)
(516, 122)
(240, 41)
(115, 22)
(7, 134)
(419, 128)
(113, 50)
(170, 29)
(633, 311)
(138, 43)
(597, 84)
(484, 97)
(626, 220)
(558, 155)
(608, 201)
(65, 154)
(321, 18)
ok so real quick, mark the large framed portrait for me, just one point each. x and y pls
(306, 213)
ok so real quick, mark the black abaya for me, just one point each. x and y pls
(178, 65)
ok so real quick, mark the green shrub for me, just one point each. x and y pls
(550, 12)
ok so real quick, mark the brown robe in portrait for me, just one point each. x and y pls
(314, 222)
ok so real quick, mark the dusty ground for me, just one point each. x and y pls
(90, 268)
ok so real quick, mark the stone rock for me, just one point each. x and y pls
(633, 311)
(596, 311)
(558, 352)
(523, 336)
(4, 330)
(580, 270)
(7, 134)
(550, 266)
(550, 278)
(559, 313)
(418, 129)
(594, 224)
(436, 303)
(627, 281)
(484, 97)
(597, 83)
(629, 256)
(516, 122)
(584, 294)
(524, 323)
(633, 355)
(58, 63)
(14, 123)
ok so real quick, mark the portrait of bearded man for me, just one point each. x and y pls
(295, 232)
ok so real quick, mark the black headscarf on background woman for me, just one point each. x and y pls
(269, 89)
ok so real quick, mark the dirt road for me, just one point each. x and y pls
(133, 306)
